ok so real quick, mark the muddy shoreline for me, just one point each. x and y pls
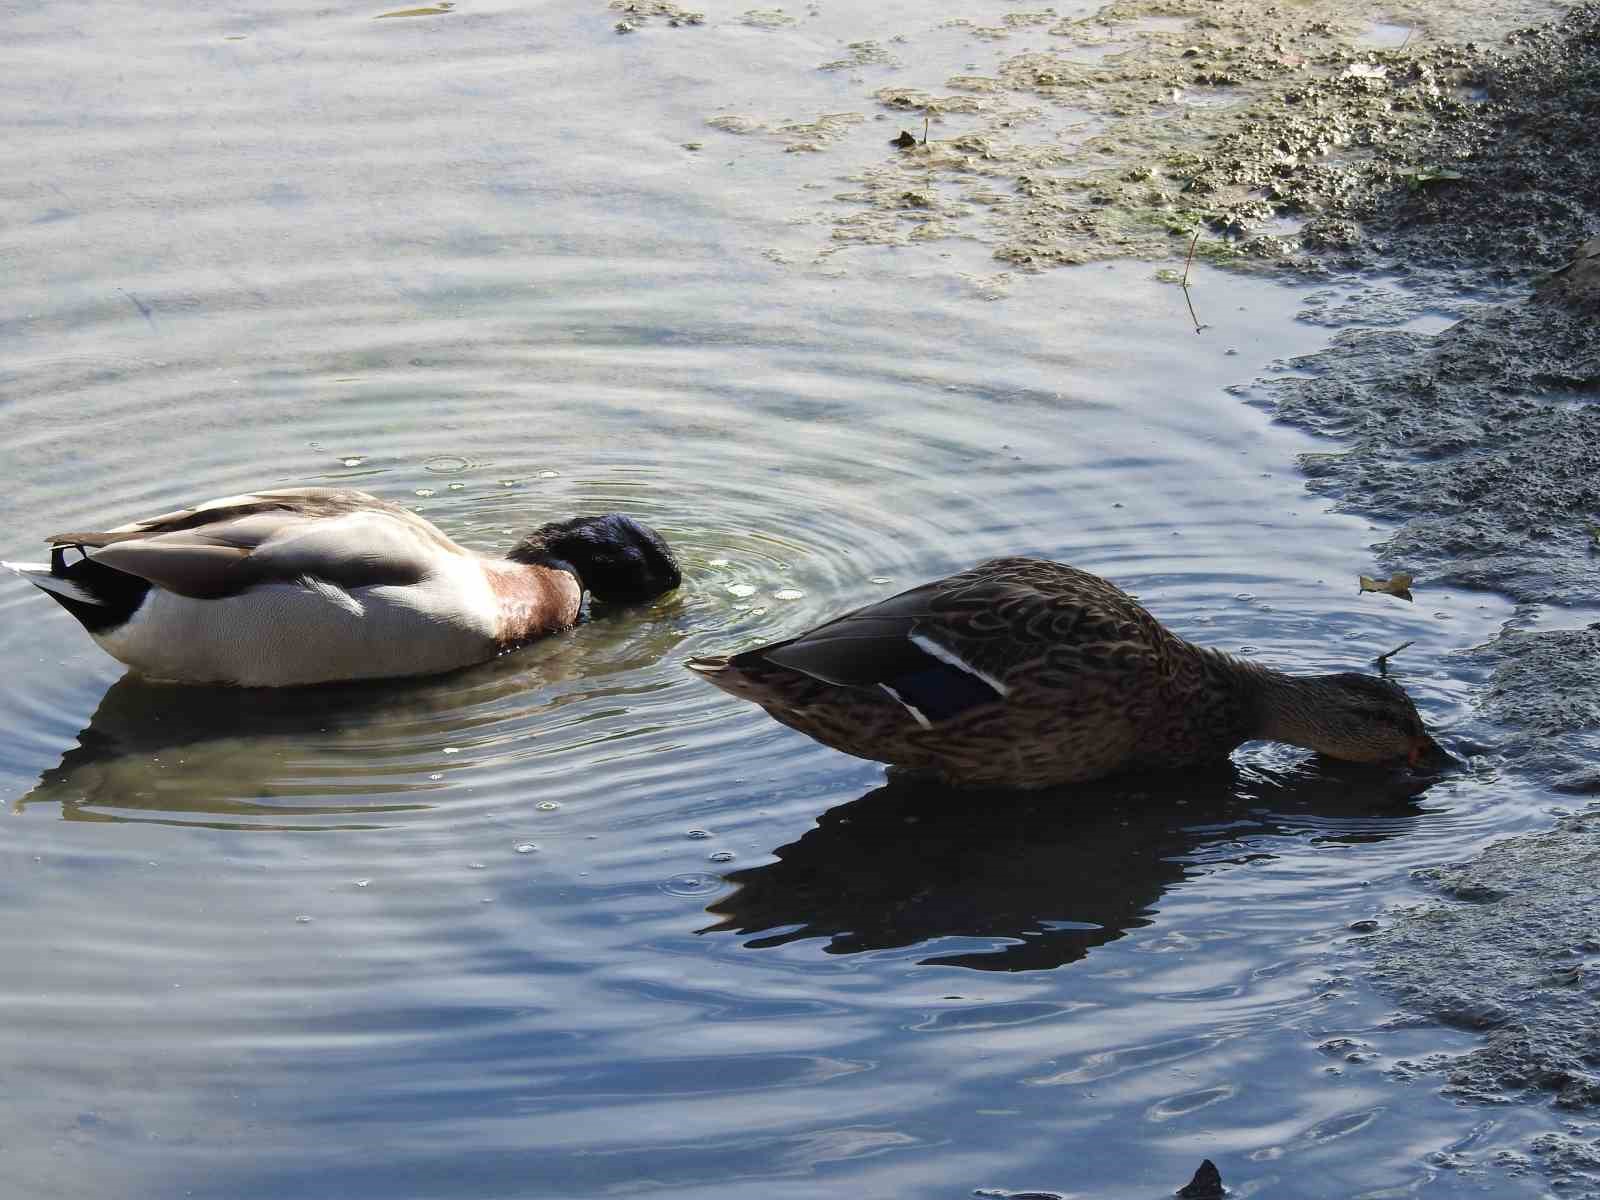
(1483, 445)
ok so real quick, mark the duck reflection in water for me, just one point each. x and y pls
(1051, 875)
(342, 755)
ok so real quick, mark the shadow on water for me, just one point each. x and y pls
(232, 753)
(284, 754)
(1051, 874)
(291, 758)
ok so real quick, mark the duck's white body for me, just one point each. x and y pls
(298, 586)
(315, 631)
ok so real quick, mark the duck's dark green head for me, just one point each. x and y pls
(617, 559)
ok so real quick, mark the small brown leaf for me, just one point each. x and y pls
(904, 142)
(1398, 584)
(432, 10)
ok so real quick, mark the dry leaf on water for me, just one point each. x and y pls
(1398, 584)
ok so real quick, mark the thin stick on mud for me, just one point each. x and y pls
(1193, 242)
(925, 130)
(1184, 283)
(1383, 659)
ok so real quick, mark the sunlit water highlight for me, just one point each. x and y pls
(450, 937)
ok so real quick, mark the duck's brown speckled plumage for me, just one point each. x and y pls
(1083, 681)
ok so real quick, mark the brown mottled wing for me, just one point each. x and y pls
(1047, 623)
(221, 548)
(1051, 619)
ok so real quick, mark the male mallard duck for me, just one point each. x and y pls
(1024, 673)
(309, 585)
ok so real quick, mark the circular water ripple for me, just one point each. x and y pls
(780, 521)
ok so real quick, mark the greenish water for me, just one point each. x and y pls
(471, 936)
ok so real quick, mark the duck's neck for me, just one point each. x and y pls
(1281, 707)
(532, 600)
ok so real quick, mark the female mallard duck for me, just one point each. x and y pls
(310, 585)
(1024, 673)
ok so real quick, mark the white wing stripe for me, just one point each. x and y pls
(932, 648)
(909, 707)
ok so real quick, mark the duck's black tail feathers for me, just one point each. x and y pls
(100, 597)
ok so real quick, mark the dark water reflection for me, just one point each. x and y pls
(1048, 875)
(225, 745)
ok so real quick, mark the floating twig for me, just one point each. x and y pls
(924, 129)
(1383, 659)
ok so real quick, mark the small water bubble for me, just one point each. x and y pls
(476, 866)
(507, 482)
(363, 882)
(717, 562)
(721, 856)
(548, 805)
(354, 460)
(549, 474)
(694, 883)
(1441, 616)
(456, 487)
(526, 848)
(452, 749)
(446, 464)
(302, 919)
(425, 492)
(740, 590)
(787, 594)
(759, 610)
(1245, 596)
(880, 580)
(436, 775)
(699, 834)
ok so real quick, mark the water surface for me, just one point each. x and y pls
(572, 923)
